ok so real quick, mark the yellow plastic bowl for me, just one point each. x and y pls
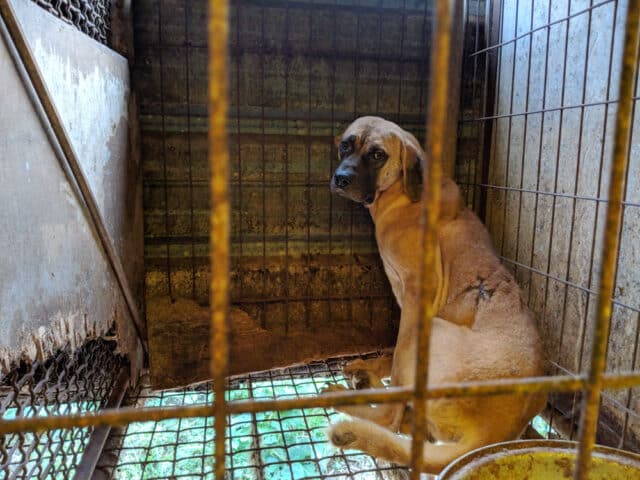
(540, 460)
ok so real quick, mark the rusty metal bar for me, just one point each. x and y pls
(432, 179)
(52, 124)
(218, 28)
(99, 436)
(591, 401)
(560, 383)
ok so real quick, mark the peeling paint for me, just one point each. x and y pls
(59, 288)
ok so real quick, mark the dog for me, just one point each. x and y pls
(483, 329)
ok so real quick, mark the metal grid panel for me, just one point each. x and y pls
(270, 445)
(92, 17)
(298, 72)
(68, 382)
(536, 137)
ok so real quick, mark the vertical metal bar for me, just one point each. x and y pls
(432, 178)
(263, 192)
(187, 47)
(637, 337)
(556, 168)
(597, 206)
(503, 226)
(307, 265)
(98, 439)
(540, 144)
(285, 159)
(575, 182)
(239, 260)
(165, 178)
(493, 62)
(591, 401)
(352, 205)
(524, 136)
(332, 151)
(467, 25)
(219, 164)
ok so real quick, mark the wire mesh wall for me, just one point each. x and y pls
(298, 72)
(92, 17)
(68, 382)
(541, 93)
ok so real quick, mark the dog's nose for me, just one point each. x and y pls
(342, 181)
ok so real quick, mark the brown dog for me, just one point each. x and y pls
(483, 329)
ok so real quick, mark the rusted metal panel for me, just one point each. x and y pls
(53, 260)
(301, 260)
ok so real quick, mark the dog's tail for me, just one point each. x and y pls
(382, 443)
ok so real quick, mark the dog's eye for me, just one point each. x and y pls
(345, 147)
(378, 155)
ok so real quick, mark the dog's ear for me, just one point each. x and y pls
(412, 164)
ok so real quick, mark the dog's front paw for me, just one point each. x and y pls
(357, 374)
(341, 435)
(333, 387)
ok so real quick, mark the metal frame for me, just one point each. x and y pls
(593, 383)
(34, 83)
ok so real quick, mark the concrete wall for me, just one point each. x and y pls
(56, 284)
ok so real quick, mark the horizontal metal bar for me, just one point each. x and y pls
(316, 54)
(543, 27)
(568, 283)
(159, 183)
(331, 7)
(546, 193)
(564, 383)
(542, 110)
(151, 240)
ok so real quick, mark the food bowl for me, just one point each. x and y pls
(540, 460)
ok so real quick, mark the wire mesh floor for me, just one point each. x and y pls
(67, 382)
(270, 445)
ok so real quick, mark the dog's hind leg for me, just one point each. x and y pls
(381, 443)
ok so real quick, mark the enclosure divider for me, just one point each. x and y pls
(92, 452)
(218, 28)
(559, 383)
(437, 123)
(591, 401)
(44, 107)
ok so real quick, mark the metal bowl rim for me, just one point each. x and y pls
(520, 446)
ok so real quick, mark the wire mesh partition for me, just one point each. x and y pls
(536, 142)
(69, 382)
(92, 17)
(500, 141)
(298, 72)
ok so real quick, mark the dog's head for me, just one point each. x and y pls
(374, 154)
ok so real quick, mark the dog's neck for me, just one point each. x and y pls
(388, 200)
(394, 197)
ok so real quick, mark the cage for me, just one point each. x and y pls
(169, 237)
